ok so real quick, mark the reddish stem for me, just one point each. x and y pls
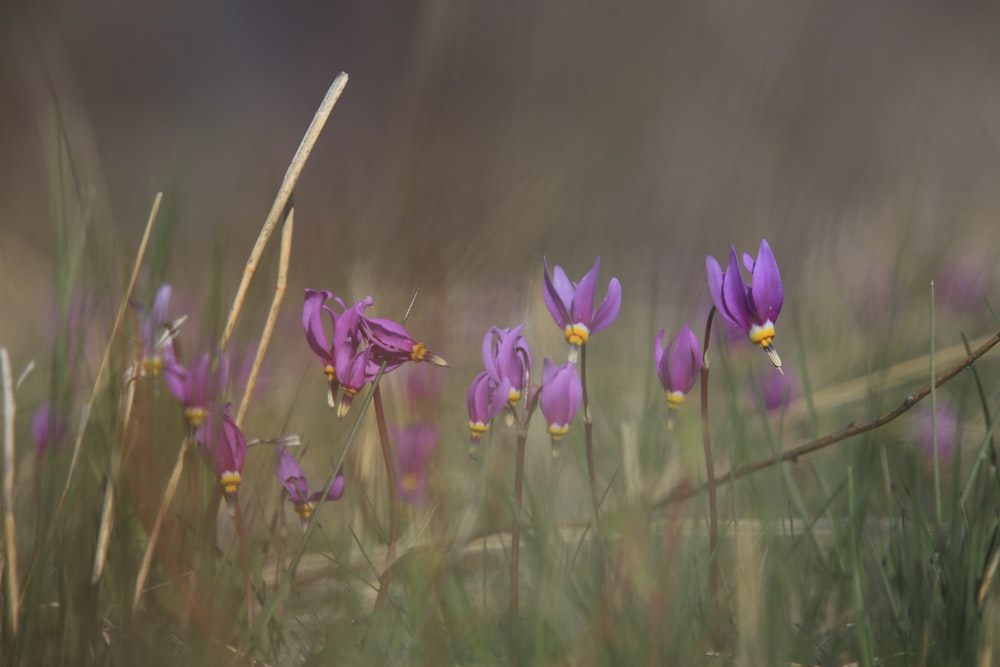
(390, 470)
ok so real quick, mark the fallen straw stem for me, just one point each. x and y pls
(9, 528)
(272, 315)
(282, 198)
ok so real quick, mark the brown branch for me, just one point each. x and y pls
(685, 492)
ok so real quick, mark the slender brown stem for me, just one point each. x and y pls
(588, 427)
(713, 508)
(390, 470)
(241, 534)
(515, 529)
(684, 492)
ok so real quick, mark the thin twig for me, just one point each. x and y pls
(282, 198)
(390, 471)
(154, 534)
(685, 492)
(9, 531)
(272, 315)
(244, 556)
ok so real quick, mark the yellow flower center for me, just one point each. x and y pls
(577, 334)
(762, 334)
(195, 416)
(229, 481)
(331, 373)
(674, 399)
(305, 510)
(410, 482)
(557, 431)
(478, 428)
(152, 366)
(513, 397)
(419, 350)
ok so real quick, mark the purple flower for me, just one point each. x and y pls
(198, 388)
(346, 332)
(156, 332)
(948, 431)
(289, 473)
(392, 343)
(572, 304)
(48, 429)
(507, 359)
(224, 445)
(485, 400)
(562, 393)
(778, 390)
(415, 446)
(678, 365)
(753, 308)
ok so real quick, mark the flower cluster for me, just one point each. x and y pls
(507, 367)
(357, 345)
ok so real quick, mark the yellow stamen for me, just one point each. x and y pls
(305, 510)
(410, 482)
(674, 399)
(478, 428)
(762, 334)
(577, 334)
(195, 416)
(229, 481)
(152, 366)
(558, 431)
(331, 373)
(419, 350)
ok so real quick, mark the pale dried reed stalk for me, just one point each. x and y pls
(10, 534)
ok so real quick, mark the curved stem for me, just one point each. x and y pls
(390, 470)
(588, 427)
(713, 509)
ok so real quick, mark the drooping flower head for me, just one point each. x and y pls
(290, 474)
(754, 308)
(562, 393)
(224, 445)
(778, 390)
(198, 388)
(48, 429)
(392, 343)
(415, 447)
(572, 304)
(678, 365)
(485, 399)
(507, 359)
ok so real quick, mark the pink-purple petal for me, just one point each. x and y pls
(734, 294)
(768, 293)
(608, 310)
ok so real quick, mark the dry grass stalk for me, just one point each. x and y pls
(10, 534)
(282, 199)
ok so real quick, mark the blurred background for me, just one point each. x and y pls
(474, 138)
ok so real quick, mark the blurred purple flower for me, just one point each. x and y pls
(198, 388)
(562, 393)
(290, 474)
(225, 446)
(507, 359)
(948, 431)
(48, 429)
(156, 332)
(415, 447)
(485, 399)
(392, 343)
(962, 286)
(678, 365)
(777, 391)
(572, 304)
(753, 308)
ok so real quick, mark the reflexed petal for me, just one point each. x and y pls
(608, 310)
(336, 489)
(312, 323)
(658, 358)
(583, 297)
(558, 293)
(715, 280)
(768, 293)
(561, 395)
(289, 473)
(176, 376)
(734, 294)
(683, 361)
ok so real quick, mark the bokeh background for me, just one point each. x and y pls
(474, 138)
